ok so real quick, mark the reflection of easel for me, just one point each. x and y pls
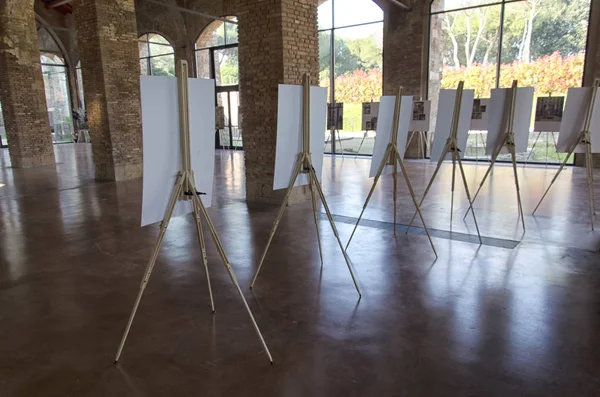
(547, 143)
(422, 138)
(361, 142)
(392, 157)
(333, 125)
(452, 147)
(508, 141)
(583, 139)
(304, 165)
(185, 189)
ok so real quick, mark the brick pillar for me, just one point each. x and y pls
(22, 87)
(278, 43)
(405, 54)
(107, 43)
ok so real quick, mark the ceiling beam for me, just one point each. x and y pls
(401, 5)
(57, 3)
(186, 10)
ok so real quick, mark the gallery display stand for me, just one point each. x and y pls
(393, 158)
(585, 140)
(304, 165)
(508, 141)
(452, 148)
(185, 189)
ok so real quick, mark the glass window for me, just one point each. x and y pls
(58, 100)
(353, 31)
(217, 44)
(540, 43)
(3, 141)
(157, 56)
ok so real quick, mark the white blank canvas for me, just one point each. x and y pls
(289, 133)
(572, 121)
(385, 124)
(522, 119)
(162, 154)
(443, 124)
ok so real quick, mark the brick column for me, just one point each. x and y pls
(107, 42)
(22, 87)
(278, 43)
(405, 54)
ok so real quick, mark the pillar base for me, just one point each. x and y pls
(44, 160)
(263, 193)
(109, 172)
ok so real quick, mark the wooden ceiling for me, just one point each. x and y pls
(62, 6)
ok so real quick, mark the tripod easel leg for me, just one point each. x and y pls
(395, 177)
(453, 184)
(562, 165)
(223, 255)
(317, 184)
(379, 172)
(314, 206)
(590, 176)
(414, 198)
(200, 234)
(533, 147)
(464, 178)
(177, 190)
(361, 143)
(513, 155)
(437, 169)
(279, 214)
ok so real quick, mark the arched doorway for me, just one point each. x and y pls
(217, 58)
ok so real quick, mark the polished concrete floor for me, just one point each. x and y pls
(480, 321)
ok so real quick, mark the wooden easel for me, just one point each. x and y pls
(185, 190)
(393, 158)
(452, 147)
(422, 140)
(583, 139)
(508, 141)
(304, 165)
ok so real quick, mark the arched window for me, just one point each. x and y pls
(217, 58)
(353, 31)
(157, 57)
(56, 84)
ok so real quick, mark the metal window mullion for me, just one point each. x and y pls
(501, 40)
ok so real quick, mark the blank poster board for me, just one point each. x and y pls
(370, 111)
(162, 154)
(480, 115)
(572, 121)
(420, 116)
(522, 119)
(289, 133)
(548, 113)
(385, 124)
(443, 126)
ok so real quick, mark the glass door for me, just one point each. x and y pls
(224, 70)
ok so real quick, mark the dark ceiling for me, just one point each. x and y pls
(62, 6)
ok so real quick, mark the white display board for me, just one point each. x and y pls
(162, 154)
(522, 119)
(289, 133)
(385, 124)
(370, 112)
(480, 114)
(443, 126)
(420, 116)
(548, 113)
(573, 118)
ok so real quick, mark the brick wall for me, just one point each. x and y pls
(278, 44)
(404, 54)
(22, 87)
(107, 41)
